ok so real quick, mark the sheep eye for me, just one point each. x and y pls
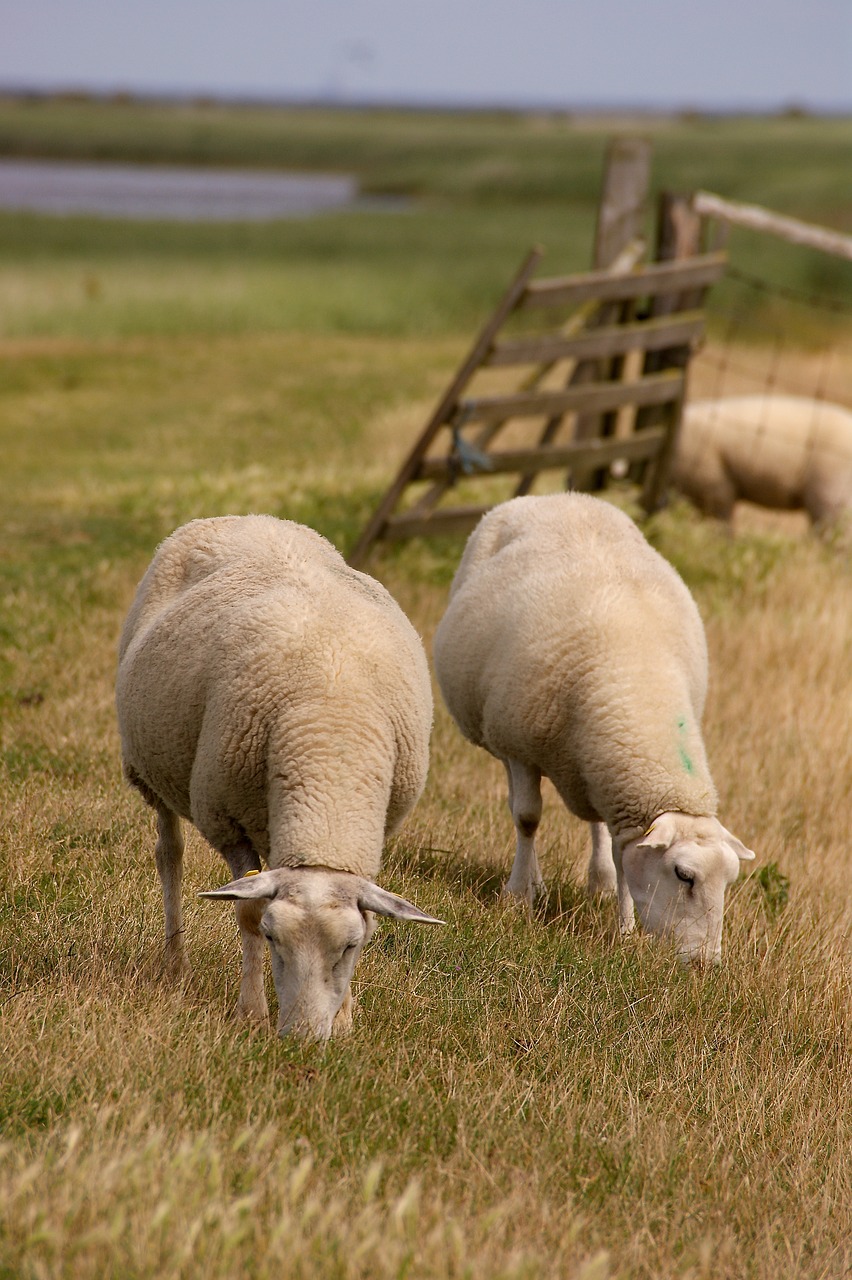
(685, 877)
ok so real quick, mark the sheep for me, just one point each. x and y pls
(785, 452)
(281, 702)
(570, 649)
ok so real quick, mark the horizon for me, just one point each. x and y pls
(120, 94)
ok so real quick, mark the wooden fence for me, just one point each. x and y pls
(707, 205)
(590, 373)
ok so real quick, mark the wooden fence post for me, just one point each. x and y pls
(623, 204)
(621, 220)
(678, 238)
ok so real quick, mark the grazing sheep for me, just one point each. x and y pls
(570, 649)
(281, 702)
(785, 452)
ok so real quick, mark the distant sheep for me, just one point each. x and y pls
(281, 702)
(784, 452)
(570, 649)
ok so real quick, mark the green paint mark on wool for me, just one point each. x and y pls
(685, 758)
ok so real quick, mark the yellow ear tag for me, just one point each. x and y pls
(644, 837)
(250, 873)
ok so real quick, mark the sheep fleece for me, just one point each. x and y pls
(267, 690)
(779, 451)
(573, 647)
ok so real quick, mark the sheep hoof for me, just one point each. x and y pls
(171, 966)
(523, 899)
(181, 974)
(601, 884)
(255, 1015)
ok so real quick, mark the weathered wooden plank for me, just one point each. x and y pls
(446, 405)
(553, 457)
(575, 324)
(642, 335)
(655, 481)
(445, 520)
(678, 240)
(597, 397)
(656, 278)
(597, 316)
(757, 218)
(623, 198)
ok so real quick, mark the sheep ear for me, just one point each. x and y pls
(744, 854)
(372, 898)
(257, 884)
(661, 834)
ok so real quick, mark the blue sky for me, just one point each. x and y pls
(752, 54)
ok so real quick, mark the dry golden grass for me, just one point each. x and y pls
(519, 1098)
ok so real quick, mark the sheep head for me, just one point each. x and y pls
(677, 874)
(316, 922)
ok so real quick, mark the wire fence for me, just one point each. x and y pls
(774, 422)
(802, 297)
(764, 355)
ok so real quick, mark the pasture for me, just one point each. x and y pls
(518, 1098)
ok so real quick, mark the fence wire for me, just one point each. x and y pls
(819, 302)
(738, 342)
(794, 456)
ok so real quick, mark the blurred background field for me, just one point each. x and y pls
(481, 188)
(517, 1099)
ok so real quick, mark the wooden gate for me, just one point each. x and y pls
(585, 374)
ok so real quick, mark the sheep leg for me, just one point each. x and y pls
(169, 858)
(626, 917)
(710, 486)
(602, 876)
(525, 880)
(825, 502)
(252, 1003)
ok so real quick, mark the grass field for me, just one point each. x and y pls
(518, 1099)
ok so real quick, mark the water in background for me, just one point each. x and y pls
(137, 191)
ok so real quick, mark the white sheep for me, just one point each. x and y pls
(570, 649)
(784, 452)
(281, 702)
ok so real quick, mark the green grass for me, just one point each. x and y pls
(424, 272)
(484, 188)
(799, 163)
(518, 1098)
